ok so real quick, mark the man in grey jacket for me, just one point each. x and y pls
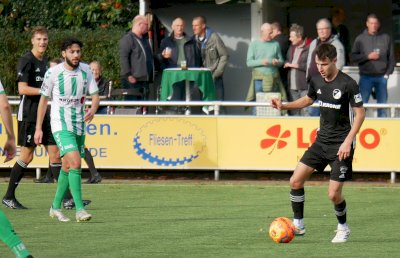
(213, 52)
(324, 31)
(136, 58)
(373, 51)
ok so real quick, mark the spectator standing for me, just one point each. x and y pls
(374, 53)
(324, 31)
(7, 233)
(264, 56)
(31, 69)
(340, 29)
(214, 54)
(296, 64)
(67, 85)
(102, 83)
(284, 44)
(136, 59)
(176, 48)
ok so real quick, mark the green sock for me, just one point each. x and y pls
(20, 251)
(10, 238)
(76, 187)
(62, 187)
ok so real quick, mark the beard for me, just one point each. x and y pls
(69, 62)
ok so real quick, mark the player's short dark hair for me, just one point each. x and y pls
(326, 50)
(68, 42)
(39, 30)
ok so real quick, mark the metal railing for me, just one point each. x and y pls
(393, 108)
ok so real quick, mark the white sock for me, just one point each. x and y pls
(299, 223)
(342, 226)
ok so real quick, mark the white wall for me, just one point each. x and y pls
(233, 24)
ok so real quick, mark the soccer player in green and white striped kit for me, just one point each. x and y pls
(67, 84)
(7, 233)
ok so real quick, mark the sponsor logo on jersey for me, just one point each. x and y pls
(37, 70)
(39, 78)
(337, 94)
(69, 101)
(319, 91)
(329, 105)
(357, 98)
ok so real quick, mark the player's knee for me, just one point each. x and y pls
(27, 159)
(55, 160)
(75, 164)
(335, 197)
(295, 183)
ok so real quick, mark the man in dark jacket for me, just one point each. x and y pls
(374, 53)
(296, 65)
(214, 54)
(284, 43)
(136, 58)
(174, 50)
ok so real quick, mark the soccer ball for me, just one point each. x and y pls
(282, 230)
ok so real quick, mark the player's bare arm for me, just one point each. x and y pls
(92, 110)
(5, 112)
(297, 104)
(39, 119)
(344, 150)
(25, 89)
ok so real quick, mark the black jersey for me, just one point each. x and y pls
(30, 70)
(335, 99)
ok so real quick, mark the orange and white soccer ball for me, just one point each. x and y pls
(282, 230)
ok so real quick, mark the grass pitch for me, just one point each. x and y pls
(207, 219)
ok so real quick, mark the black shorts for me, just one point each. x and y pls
(26, 133)
(319, 155)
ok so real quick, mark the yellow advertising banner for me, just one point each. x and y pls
(144, 142)
(225, 143)
(250, 143)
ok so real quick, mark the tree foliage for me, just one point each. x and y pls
(99, 24)
(100, 45)
(66, 14)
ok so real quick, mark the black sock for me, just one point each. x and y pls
(49, 174)
(68, 194)
(55, 170)
(89, 161)
(17, 172)
(297, 199)
(341, 212)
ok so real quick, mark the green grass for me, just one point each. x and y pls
(184, 219)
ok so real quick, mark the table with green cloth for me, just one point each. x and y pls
(201, 76)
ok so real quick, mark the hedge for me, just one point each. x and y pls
(99, 44)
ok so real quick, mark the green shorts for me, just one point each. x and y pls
(68, 141)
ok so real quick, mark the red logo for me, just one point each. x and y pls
(369, 138)
(275, 135)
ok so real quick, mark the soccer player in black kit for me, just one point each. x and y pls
(31, 69)
(342, 114)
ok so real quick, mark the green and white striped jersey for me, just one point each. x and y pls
(68, 90)
(2, 89)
